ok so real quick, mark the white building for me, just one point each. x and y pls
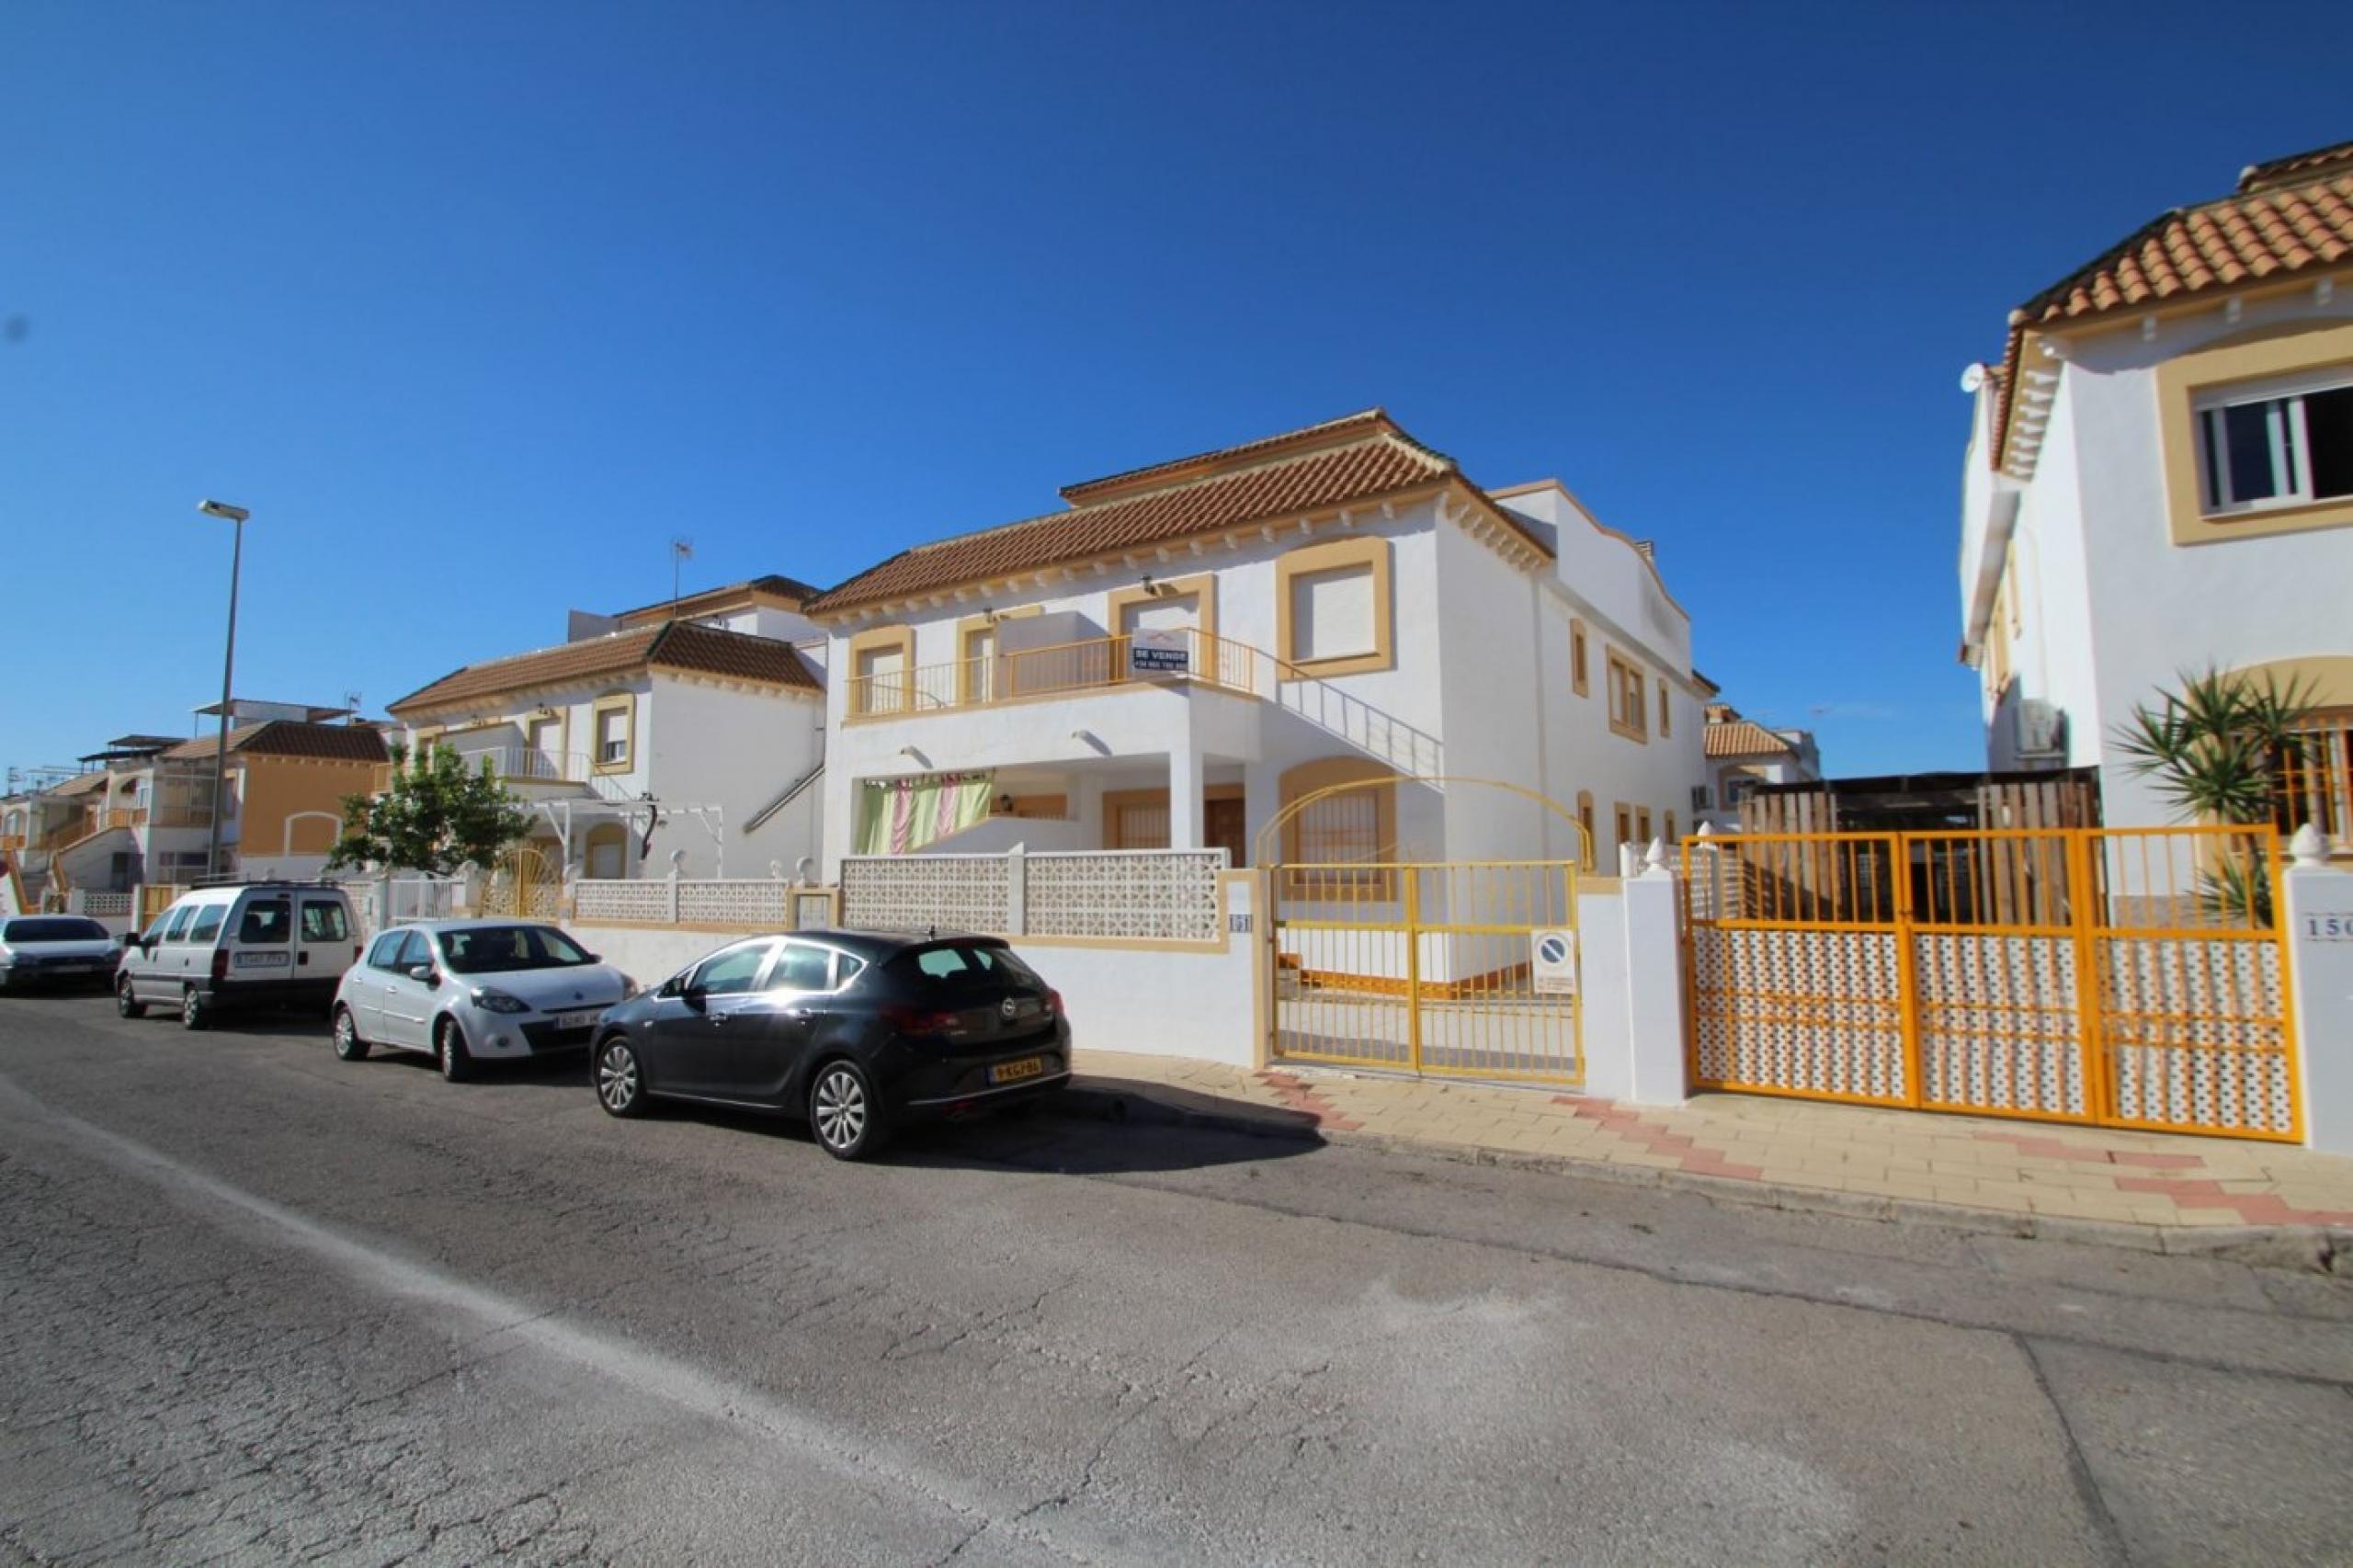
(1187, 647)
(692, 728)
(2160, 479)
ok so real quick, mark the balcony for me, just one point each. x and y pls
(1067, 669)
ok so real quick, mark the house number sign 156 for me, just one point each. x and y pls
(2328, 927)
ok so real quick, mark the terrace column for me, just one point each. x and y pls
(1185, 798)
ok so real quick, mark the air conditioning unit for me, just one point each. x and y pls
(2041, 731)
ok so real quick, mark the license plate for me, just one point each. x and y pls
(580, 1018)
(1014, 1071)
(264, 960)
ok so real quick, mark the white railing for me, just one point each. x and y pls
(1157, 895)
(738, 902)
(917, 892)
(608, 899)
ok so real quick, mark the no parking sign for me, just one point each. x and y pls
(1552, 963)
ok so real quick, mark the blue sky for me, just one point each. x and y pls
(476, 305)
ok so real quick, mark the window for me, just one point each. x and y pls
(324, 922)
(615, 729)
(1333, 606)
(1577, 676)
(881, 667)
(731, 972)
(1356, 825)
(544, 736)
(1670, 833)
(2293, 447)
(1642, 826)
(980, 664)
(265, 922)
(501, 950)
(1340, 830)
(207, 923)
(182, 918)
(1665, 714)
(1585, 821)
(1138, 819)
(1626, 695)
(386, 952)
(801, 968)
(1625, 815)
(416, 952)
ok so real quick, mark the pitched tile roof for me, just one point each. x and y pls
(2291, 215)
(1361, 458)
(676, 644)
(289, 737)
(82, 784)
(773, 586)
(1742, 737)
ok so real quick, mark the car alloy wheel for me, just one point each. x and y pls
(347, 1044)
(194, 1014)
(126, 1000)
(844, 1113)
(450, 1051)
(620, 1086)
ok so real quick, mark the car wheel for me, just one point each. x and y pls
(347, 1044)
(621, 1081)
(126, 1000)
(195, 1012)
(450, 1051)
(843, 1112)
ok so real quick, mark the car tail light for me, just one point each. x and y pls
(219, 963)
(355, 952)
(920, 1020)
(1055, 1008)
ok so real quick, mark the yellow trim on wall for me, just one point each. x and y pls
(1331, 555)
(613, 702)
(2328, 677)
(2281, 349)
(871, 639)
(1201, 587)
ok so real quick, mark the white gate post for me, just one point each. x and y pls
(1017, 891)
(2318, 909)
(1655, 1024)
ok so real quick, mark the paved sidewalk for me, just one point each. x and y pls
(2024, 1175)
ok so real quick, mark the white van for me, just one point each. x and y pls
(240, 944)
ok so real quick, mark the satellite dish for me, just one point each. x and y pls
(1972, 378)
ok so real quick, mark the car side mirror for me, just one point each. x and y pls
(133, 940)
(696, 997)
(423, 972)
(594, 957)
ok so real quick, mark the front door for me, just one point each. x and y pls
(770, 1032)
(407, 1001)
(1221, 828)
(693, 1034)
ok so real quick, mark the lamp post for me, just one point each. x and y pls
(236, 516)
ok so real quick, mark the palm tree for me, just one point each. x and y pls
(2220, 750)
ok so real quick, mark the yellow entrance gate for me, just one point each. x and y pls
(1459, 969)
(527, 884)
(2125, 977)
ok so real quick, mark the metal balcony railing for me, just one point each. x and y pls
(1096, 664)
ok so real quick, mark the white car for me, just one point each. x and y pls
(469, 991)
(55, 949)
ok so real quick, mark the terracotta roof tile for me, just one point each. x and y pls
(2287, 216)
(773, 586)
(678, 644)
(1385, 463)
(287, 737)
(1742, 737)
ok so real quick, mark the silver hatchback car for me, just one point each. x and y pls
(469, 991)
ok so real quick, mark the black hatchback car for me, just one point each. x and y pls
(855, 1032)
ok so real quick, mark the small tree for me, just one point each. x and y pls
(436, 817)
(2221, 750)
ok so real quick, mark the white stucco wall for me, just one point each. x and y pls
(2113, 610)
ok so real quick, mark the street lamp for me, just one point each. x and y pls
(236, 514)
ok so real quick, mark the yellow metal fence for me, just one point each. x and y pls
(1455, 969)
(2129, 977)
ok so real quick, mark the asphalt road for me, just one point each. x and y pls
(257, 1305)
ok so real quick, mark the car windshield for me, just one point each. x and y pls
(57, 930)
(497, 949)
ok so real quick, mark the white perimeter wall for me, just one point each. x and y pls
(736, 748)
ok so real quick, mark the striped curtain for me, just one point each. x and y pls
(899, 816)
